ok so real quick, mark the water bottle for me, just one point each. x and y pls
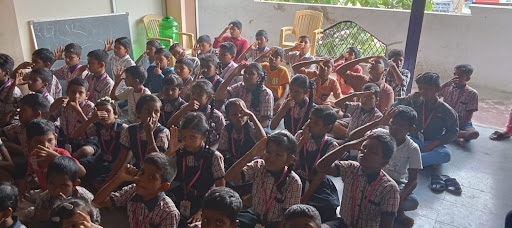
(168, 28)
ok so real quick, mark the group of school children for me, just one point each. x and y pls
(212, 122)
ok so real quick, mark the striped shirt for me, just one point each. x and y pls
(55, 90)
(398, 89)
(359, 117)
(66, 73)
(157, 212)
(119, 64)
(286, 197)
(254, 54)
(266, 106)
(384, 199)
(69, 119)
(463, 101)
(99, 86)
(132, 98)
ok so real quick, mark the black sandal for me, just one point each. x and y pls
(437, 184)
(453, 186)
(498, 135)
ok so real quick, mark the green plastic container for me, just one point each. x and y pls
(168, 28)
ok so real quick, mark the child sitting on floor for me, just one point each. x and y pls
(38, 81)
(397, 77)
(178, 52)
(278, 79)
(147, 58)
(221, 207)
(9, 92)
(63, 183)
(203, 46)
(350, 54)
(71, 54)
(199, 166)
(9, 199)
(121, 59)
(73, 212)
(100, 83)
(145, 200)
(257, 49)
(235, 30)
(159, 71)
(170, 97)
(299, 52)
(276, 186)
(325, 85)
(209, 69)
(227, 52)
(464, 100)
(370, 197)
(134, 80)
(184, 69)
(302, 215)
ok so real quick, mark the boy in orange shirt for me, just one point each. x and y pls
(325, 85)
(278, 78)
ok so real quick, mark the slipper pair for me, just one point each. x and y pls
(451, 185)
(498, 135)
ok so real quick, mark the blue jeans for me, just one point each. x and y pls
(438, 155)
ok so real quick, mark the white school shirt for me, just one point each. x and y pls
(118, 64)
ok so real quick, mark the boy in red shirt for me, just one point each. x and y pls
(235, 30)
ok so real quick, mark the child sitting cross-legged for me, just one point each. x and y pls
(63, 183)
(361, 112)
(199, 166)
(38, 81)
(276, 186)
(8, 205)
(170, 97)
(156, 73)
(73, 212)
(302, 215)
(145, 200)
(135, 76)
(319, 191)
(405, 163)
(298, 106)
(104, 126)
(221, 207)
(370, 197)
(325, 85)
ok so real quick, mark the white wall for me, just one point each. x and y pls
(27, 10)
(482, 39)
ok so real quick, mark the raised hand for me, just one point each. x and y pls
(127, 173)
(253, 46)
(238, 70)
(44, 154)
(388, 115)
(228, 28)
(356, 144)
(150, 125)
(81, 220)
(82, 69)
(298, 46)
(8, 117)
(18, 77)
(195, 50)
(191, 105)
(61, 101)
(305, 132)
(118, 75)
(108, 44)
(25, 65)
(101, 115)
(74, 105)
(158, 71)
(174, 143)
(289, 103)
(259, 149)
(59, 53)
(243, 110)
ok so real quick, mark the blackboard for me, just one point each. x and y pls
(90, 32)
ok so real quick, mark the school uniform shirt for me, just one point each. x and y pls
(315, 147)
(266, 99)
(185, 91)
(463, 101)
(345, 89)
(297, 116)
(217, 119)
(157, 212)
(154, 81)
(276, 79)
(441, 124)
(294, 57)
(17, 134)
(55, 89)
(46, 203)
(144, 63)
(100, 86)
(132, 98)
(141, 138)
(68, 72)
(386, 94)
(196, 64)
(398, 89)
(47, 96)
(107, 138)
(324, 90)
(360, 116)
(264, 188)
(406, 156)
(254, 54)
(69, 120)
(226, 71)
(169, 108)
(235, 145)
(241, 44)
(39, 169)
(120, 64)
(7, 107)
(383, 200)
(216, 80)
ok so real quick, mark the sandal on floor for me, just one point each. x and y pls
(453, 186)
(437, 184)
(498, 135)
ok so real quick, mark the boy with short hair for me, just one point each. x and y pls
(100, 84)
(41, 143)
(178, 52)
(32, 106)
(325, 85)
(184, 69)
(278, 79)
(257, 49)
(146, 202)
(227, 52)
(170, 97)
(8, 205)
(464, 100)
(299, 52)
(156, 73)
(134, 80)
(378, 68)
(39, 80)
(9, 91)
(203, 46)
(147, 58)
(405, 163)
(361, 112)
(72, 110)
(397, 77)
(62, 175)
(301, 215)
(221, 204)
(120, 60)
(72, 55)
(370, 197)
(235, 30)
